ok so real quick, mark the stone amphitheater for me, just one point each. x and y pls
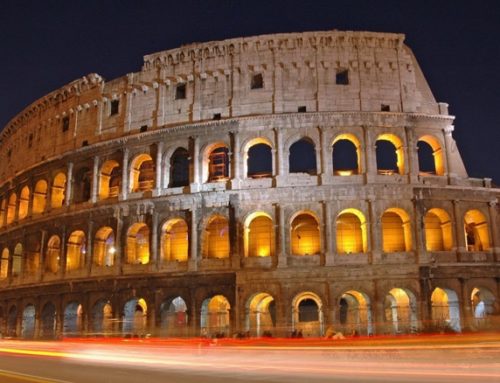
(293, 184)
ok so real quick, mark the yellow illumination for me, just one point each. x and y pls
(398, 146)
(305, 236)
(216, 238)
(175, 240)
(259, 235)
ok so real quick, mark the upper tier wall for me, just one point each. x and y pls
(298, 70)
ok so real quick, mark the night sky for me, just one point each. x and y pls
(46, 44)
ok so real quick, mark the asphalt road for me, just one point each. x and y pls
(135, 362)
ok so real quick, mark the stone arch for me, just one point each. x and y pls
(109, 179)
(400, 311)
(390, 154)
(3, 211)
(307, 315)
(142, 173)
(355, 314)
(430, 155)
(346, 155)
(11, 208)
(134, 317)
(215, 319)
(305, 234)
(28, 322)
(12, 322)
(260, 314)
(104, 247)
(102, 318)
(216, 164)
(17, 258)
(175, 240)
(396, 231)
(138, 244)
(58, 190)
(438, 230)
(174, 317)
(48, 321)
(179, 168)
(483, 304)
(302, 157)
(477, 237)
(445, 311)
(259, 236)
(53, 254)
(216, 237)
(351, 232)
(82, 185)
(32, 255)
(40, 197)
(72, 321)
(4, 263)
(24, 200)
(76, 249)
(258, 158)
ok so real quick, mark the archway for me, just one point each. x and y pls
(175, 240)
(138, 244)
(438, 232)
(17, 258)
(48, 322)
(216, 238)
(401, 311)
(104, 247)
(260, 315)
(11, 208)
(390, 154)
(142, 173)
(215, 316)
(110, 180)
(40, 197)
(217, 162)
(396, 231)
(351, 232)
(4, 264)
(72, 321)
(355, 313)
(483, 306)
(430, 156)
(259, 235)
(346, 155)
(174, 318)
(53, 255)
(307, 315)
(28, 322)
(445, 310)
(82, 185)
(305, 235)
(134, 317)
(24, 200)
(75, 250)
(259, 162)
(12, 322)
(302, 157)
(58, 190)
(102, 318)
(179, 168)
(477, 237)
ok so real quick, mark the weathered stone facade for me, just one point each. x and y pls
(134, 206)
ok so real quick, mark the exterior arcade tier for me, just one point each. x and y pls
(290, 182)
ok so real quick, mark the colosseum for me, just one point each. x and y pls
(286, 184)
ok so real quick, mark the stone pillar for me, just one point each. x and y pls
(326, 158)
(159, 168)
(419, 230)
(448, 143)
(195, 185)
(412, 155)
(282, 250)
(154, 258)
(193, 243)
(95, 180)
(236, 176)
(30, 201)
(459, 227)
(329, 234)
(43, 251)
(466, 306)
(90, 249)
(124, 186)
(375, 231)
(69, 184)
(62, 257)
(280, 168)
(495, 241)
(119, 246)
(370, 155)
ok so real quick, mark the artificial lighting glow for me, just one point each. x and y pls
(112, 250)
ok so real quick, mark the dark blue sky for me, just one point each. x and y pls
(45, 44)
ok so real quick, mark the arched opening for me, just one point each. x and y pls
(28, 322)
(3, 211)
(12, 322)
(260, 315)
(179, 168)
(445, 310)
(477, 236)
(72, 321)
(396, 231)
(305, 236)
(401, 311)
(104, 247)
(217, 161)
(138, 244)
(110, 180)
(82, 185)
(302, 157)
(53, 255)
(175, 240)
(346, 155)
(483, 306)
(430, 156)
(351, 232)
(32, 256)
(4, 264)
(48, 322)
(216, 238)
(134, 317)
(40, 197)
(174, 318)
(259, 159)
(355, 313)
(438, 231)
(142, 173)
(58, 190)
(75, 251)
(17, 260)
(259, 235)
(11, 208)
(215, 317)
(102, 318)
(390, 155)
(24, 200)
(307, 315)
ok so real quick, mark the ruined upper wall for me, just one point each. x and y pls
(298, 71)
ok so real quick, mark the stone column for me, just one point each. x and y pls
(120, 248)
(236, 176)
(448, 143)
(375, 231)
(62, 257)
(329, 234)
(412, 155)
(282, 250)
(466, 306)
(419, 231)
(370, 155)
(95, 180)
(124, 186)
(495, 241)
(90, 249)
(193, 243)
(41, 264)
(280, 168)
(459, 227)
(69, 184)
(195, 185)
(326, 158)
(159, 168)
(154, 259)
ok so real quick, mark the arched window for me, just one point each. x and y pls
(53, 254)
(104, 247)
(110, 180)
(134, 317)
(438, 234)
(305, 235)
(142, 173)
(400, 310)
(396, 231)
(351, 232)
(138, 244)
(259, 236)
(445, 310)
(179, 168)
(390, 158)
(32, 256)
(218, 164)
(215, 316)
(40, 197)
(174, 240)
(82, 185)
(11, 208)
(346, 155)
(307, 315)
(3, 211)
(216, 238)
(58, 190)
(302, 158)
(4, 264)
(260, 314)
(430, 156)
(17, 260)
(24, 200)
(76, 249)
(477, 236)
(259, 160)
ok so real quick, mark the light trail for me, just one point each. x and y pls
(29, 378)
